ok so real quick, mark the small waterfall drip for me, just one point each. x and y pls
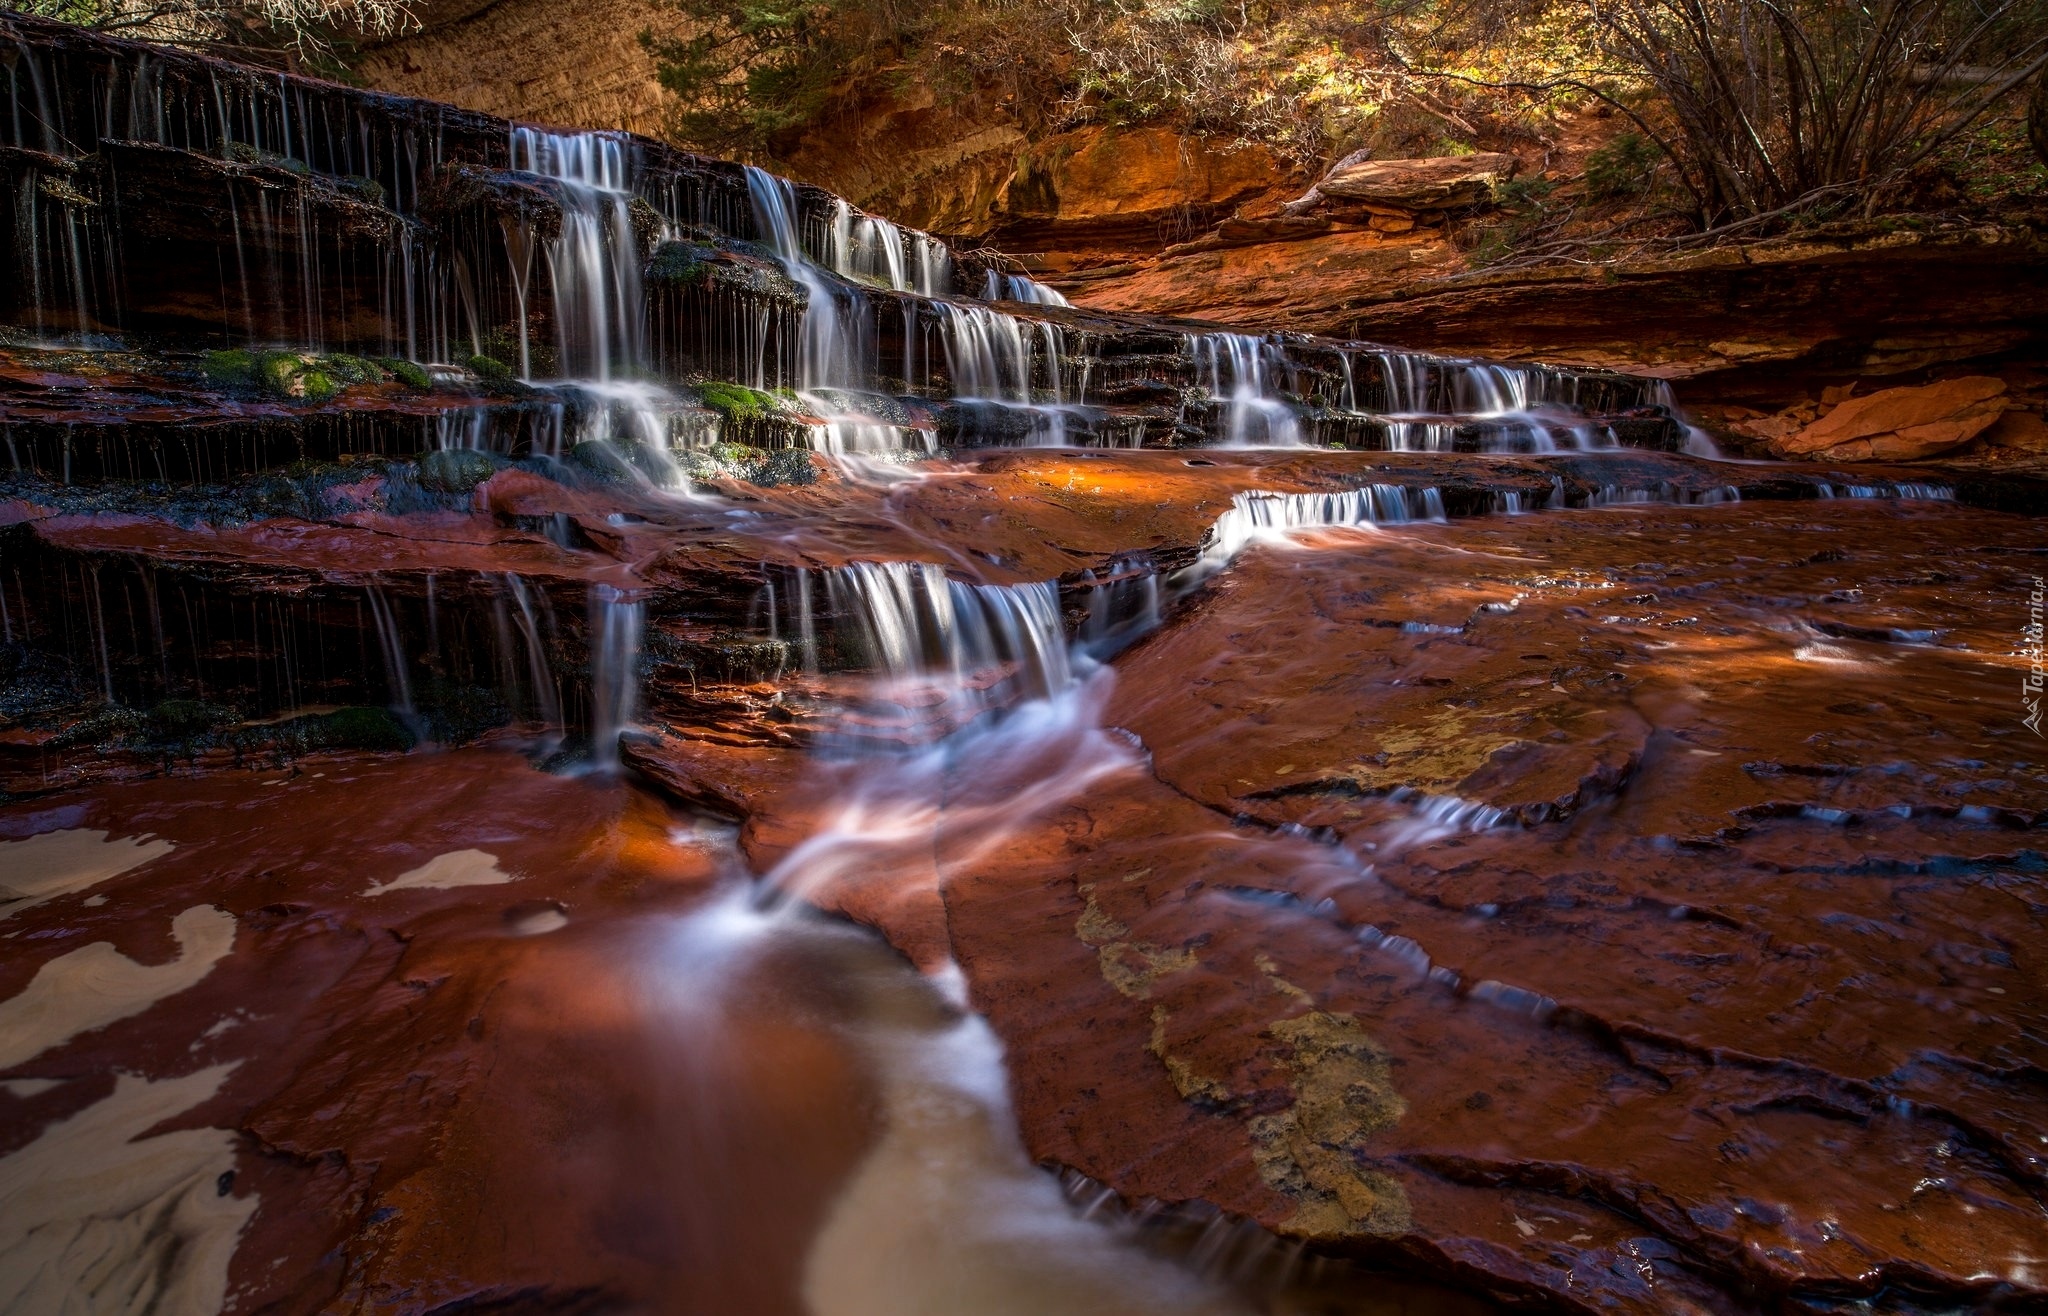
(1233, 367)
(1258, 515)
(391, 645)
(943, 652)
(616, 621)
(1697, 441)
(594, 263)
(1121, 603)
(547, 699)
(1019, 288)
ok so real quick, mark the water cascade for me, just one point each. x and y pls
(944, 652)
(999, 287)
(1235, 368)
(1257, 516)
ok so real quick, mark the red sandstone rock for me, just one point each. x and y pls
(1901, 424)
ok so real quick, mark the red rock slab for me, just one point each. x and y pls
(1177, 1033)
(449, 1095)
(1591, 1059)
(321, 550)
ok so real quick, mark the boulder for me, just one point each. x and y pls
(1900, 424)
(2023, 430)
(1444, 183)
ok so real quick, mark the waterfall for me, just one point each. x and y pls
(1233, 367)
(941, 652)
(594, 263)
(837, 355)
(391, 645)
(990, 360)
(1697, 441)
(616, 621)
(1119, 604)
(1259, 515)
(1019, 288)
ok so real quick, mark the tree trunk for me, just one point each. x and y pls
(2037, 116)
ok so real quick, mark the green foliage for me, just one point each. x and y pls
(1622, 168)
(758, 68)
(314, 31)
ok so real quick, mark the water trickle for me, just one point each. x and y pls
(397, 672)
(616, 620)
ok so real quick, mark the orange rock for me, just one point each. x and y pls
(2024, 430)
(1900, 424)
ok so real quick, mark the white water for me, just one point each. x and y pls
(616, 621)
(993, 360)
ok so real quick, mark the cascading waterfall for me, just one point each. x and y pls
(600, 312)
(1234, 368)
(943, 652)
(837, 354)
(1020, 288)
(594, 264)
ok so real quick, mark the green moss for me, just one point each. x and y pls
(243, 153)
(316, 385)
(235, 368)
(367, 190)
(357, 728)
(488, 367)
(187, 719)
(278, 371)
(353, 369)
(737, 401)
(409, 373)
